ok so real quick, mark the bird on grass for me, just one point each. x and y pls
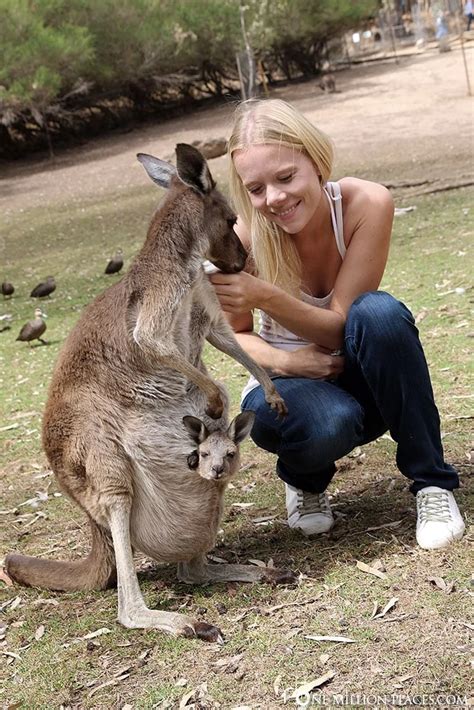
(34, 329)
(115, 263)
(45, 288)
(7, 289)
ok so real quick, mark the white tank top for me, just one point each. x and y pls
(274, 333)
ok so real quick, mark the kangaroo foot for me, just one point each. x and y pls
(274, 576)
(171, 623)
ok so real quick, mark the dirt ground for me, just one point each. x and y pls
(391, 122)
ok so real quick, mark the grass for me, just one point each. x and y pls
(420, 646)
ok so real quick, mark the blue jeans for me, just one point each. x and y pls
(385, 386)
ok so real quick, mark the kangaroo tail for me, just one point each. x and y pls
(96, 571)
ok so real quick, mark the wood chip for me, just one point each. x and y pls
(277, 685)
(39, 633)
(370, 570)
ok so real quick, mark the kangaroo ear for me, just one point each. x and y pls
(240, 427)
(193, 170)
(158, 170)
(196, 428)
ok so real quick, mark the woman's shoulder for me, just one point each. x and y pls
(361, 194)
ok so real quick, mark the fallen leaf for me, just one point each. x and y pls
(5, 578)
(44, 602)
(446, 587)
(317, 683)
(374, 610)
(257, 563)
(394, 524)
(39, 633)
(229, 665)
(194, 694)
(386, 608)
(264, 519)
(335, 639)
(242, 505)
(113, 681)
(12, 603)
(10, 654)
(370, 570)
(92, 635)
(181, 682)
(218, 560)
(421, 315)
(324, 658)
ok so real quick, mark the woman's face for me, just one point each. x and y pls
(283, 184)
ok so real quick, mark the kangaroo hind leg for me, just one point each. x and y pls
(132, 610)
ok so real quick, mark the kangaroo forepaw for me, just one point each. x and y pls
(204, 631)
(215, 409)
(276, 402)
(275, 576)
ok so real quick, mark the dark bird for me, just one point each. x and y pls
(115, 264)
(34, 329)
(45, 288)
(7, 289)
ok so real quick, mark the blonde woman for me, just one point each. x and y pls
(345, 356)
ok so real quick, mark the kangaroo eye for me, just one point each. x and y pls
(230, 454)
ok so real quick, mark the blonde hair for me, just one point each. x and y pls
(272, 121)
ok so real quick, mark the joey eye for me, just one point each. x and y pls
(204, 454)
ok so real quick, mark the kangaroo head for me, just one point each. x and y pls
(217, 455)
(222, 246)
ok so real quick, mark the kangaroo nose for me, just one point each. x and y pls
(217, 471)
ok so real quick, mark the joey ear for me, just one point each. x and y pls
(193, 170)
(240, 427)
(158, 170)
(196, 428)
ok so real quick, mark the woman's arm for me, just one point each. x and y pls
(308, 361)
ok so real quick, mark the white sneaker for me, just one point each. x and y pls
(310, 512)
(439, 521)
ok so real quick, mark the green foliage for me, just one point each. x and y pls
(50, 47)
(40, 56)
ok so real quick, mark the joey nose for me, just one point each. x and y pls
(217, 471)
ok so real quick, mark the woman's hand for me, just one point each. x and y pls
(313, 362)
(238, 293)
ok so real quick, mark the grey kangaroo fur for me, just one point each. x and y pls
(130, 399)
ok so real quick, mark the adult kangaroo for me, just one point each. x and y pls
(130, 398)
